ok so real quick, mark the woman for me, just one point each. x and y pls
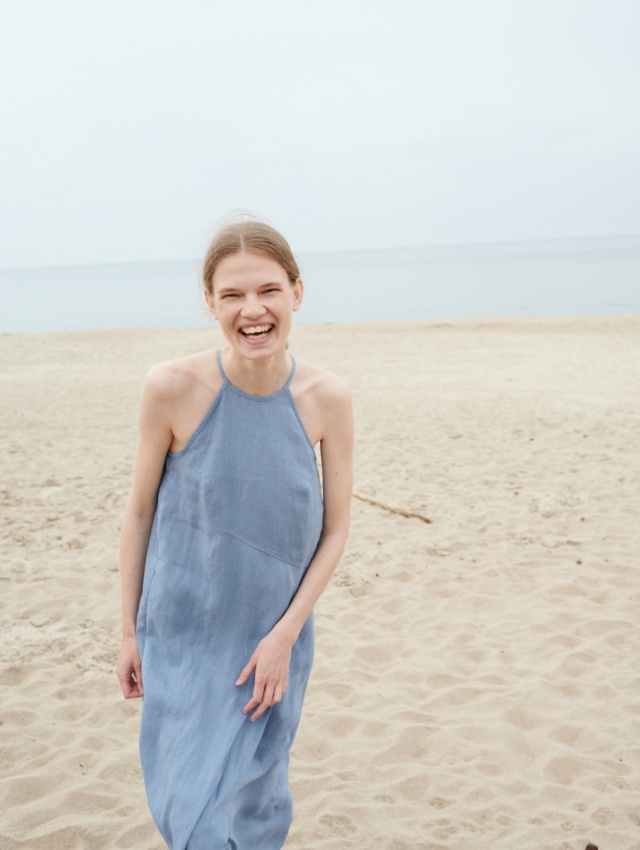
(227, 542)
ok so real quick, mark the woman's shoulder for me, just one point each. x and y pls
(173, 379)
(324, 402)
(320, 384)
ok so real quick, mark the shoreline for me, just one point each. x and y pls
(448, 322)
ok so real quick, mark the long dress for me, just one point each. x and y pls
(238, 519)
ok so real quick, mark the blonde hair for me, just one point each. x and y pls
(250, 236)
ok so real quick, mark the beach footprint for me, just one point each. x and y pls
(338, 824)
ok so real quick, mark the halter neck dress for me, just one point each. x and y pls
(238, 519)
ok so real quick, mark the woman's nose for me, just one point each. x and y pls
(252, 307)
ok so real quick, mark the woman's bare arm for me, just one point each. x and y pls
(154, 439)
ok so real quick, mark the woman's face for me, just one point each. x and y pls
(253, 301)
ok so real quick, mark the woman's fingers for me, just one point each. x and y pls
(257, 701)
(270, 666)
(135, 677)
(266, 702)
(129, 669)
(137, 672)
(130, 682)
(246, 671)
(264, 697)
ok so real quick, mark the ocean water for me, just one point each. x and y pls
(545, 278)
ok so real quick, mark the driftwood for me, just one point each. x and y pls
(387, 507)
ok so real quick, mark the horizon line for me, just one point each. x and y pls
(494, 243)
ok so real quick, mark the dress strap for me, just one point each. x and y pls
(291, 373)
(221, 367)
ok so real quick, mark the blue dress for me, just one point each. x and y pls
(238, 519)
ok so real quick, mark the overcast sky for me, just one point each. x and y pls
(130, 128)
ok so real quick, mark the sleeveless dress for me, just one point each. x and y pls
(238, 519)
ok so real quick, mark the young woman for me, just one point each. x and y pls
(227, 542)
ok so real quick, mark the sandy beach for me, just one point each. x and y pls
(476, 684)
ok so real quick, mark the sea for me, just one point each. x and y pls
(560, 277)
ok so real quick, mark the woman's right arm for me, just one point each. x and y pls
(154, 440)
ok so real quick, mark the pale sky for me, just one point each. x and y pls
(131, 128)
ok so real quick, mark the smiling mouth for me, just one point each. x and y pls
(256, 331)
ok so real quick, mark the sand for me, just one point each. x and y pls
(477, 681)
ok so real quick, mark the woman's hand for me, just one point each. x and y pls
(129, 669)
(270, 663)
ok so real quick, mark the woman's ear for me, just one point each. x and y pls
(208, 297)
(298, 292)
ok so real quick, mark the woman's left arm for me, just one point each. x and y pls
(273, 654)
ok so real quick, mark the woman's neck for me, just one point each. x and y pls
(259, 376)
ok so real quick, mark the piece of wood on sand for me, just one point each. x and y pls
(387, 507)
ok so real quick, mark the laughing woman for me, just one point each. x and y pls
(228, 540)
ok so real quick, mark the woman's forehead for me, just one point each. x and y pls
(248, 267)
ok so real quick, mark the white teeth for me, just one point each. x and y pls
(258, 329)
